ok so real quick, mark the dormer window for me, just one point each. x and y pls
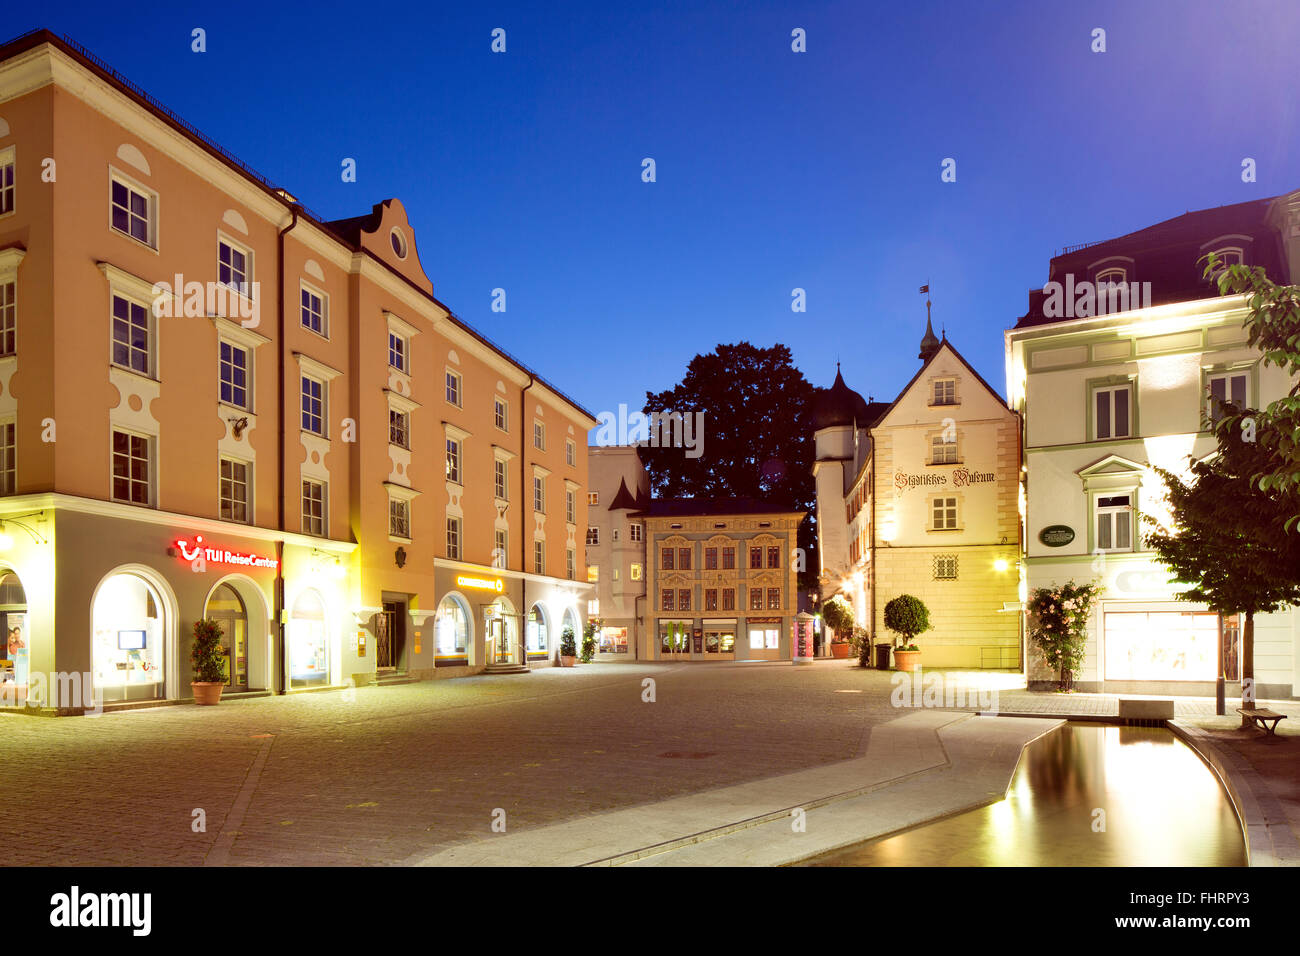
(1115, 274)
(1226, 256)
(945, 392)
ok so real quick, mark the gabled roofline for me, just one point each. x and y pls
(35, 38)
(926, 364)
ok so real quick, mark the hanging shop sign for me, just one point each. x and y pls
(198, 553)
(1056, 536)
(480, 584)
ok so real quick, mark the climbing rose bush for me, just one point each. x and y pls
(1058, 626)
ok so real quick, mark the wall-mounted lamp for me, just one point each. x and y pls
(6, 539)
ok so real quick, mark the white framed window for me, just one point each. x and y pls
(234, 490)
(1114, 522)
(454, 396)
(943, 449)
(634, 532)
(314, 502)
(1225, 387)
(132, 468)
(500, 414)
(593, 537)
(539, 494)
(399, 518)
(234, 366)
(539, 557)
(133, 210)
(571, 508)
(570, 563)
(8, 458)
(234, 267)
(7, 194)
(500, 483)
(944, 392)
(313, 310)
(453, 460)
(943, 513)
(499, 556)
(539, 435)
(1112, 412)
(313, 405)
(8, 318)
(133, 339)
(454, 538)
(399, 428)
(398, 352)
(570, 452)
(593, 497)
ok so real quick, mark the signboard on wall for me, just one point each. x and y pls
(1056, 535)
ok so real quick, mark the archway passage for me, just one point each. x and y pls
(128, 639)
(227, 609)
(14, 640)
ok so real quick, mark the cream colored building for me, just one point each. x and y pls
(616, 549)
(919, 496)
(1106, 398)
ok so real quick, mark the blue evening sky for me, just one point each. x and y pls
(775, 169)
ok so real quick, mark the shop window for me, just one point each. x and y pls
(451, 628)
(226, 607)
(538, 634)
(15, 638)
(764, 638)
(128, 639)
(593, 573)
(719, 642)
(612, 640)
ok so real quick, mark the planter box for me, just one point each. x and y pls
(568, 661)
(907, 660)
(206, 692)
(840, 651)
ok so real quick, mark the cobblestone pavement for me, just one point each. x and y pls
(382, 775)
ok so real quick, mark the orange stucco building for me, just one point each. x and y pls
(187, 352)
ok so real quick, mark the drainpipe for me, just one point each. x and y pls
(523, 538)
(282, 674)
(636, 618)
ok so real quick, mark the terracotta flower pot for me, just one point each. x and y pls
(206, 692)
(906, 660)
(840, 651)
(566, 661)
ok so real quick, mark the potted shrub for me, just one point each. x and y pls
(907, 616)
(208, 661)
(837, 615)
(568, 648)
(589, 641)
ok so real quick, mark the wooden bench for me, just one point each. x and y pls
(1262, 717)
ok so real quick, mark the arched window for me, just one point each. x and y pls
(538, 630)
(451, 628)
(128, 638)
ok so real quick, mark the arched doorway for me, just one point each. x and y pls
(451, 628)
(570, 622)
(226, 607)
(538, 633)
(129, 628)
(309, 664)
(14, 639)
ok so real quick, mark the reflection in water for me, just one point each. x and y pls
(1162, 807)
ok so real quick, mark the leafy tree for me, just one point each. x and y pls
(907, 616)
(1058, 626)
(757, 440)
(837, 614)
(1273, 326)
(1225, 542)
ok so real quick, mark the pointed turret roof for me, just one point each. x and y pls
(624, 500)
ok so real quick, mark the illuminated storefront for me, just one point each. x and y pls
(308, 642)
(128, 635)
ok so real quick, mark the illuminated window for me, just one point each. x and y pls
(635, 573)
(756, 599)
(593, 497)
(774, 599)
